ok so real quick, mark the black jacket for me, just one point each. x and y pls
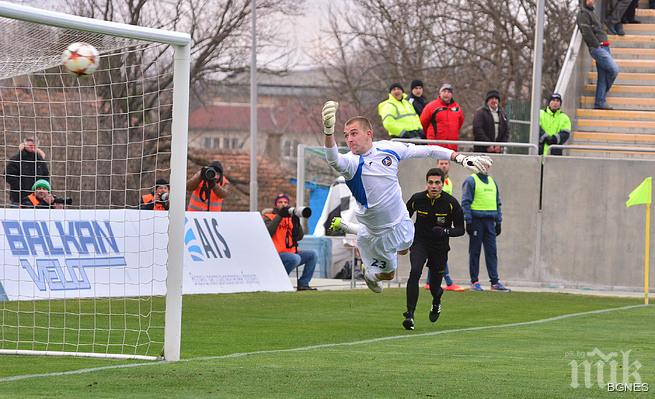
(443, 211)
(26, 203)
(418, 103)
(484, 129)
(590, 26)
(23, 169)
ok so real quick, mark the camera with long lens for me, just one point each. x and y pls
(63, 200)
(301, 211)
(211, 174)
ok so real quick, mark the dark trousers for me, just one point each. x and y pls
(436, 263)
(630, 12)
(484, 233)
(615, 11)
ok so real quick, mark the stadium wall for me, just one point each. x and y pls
(583, 237)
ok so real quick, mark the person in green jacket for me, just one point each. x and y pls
(554, 126)
(398, 115)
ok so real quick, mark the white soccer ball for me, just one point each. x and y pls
(81, 59)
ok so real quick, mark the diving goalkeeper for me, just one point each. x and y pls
(371, 173)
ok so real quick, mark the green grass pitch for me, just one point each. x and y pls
(350, 344)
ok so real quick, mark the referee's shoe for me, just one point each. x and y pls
(435, 312)
(408, 323)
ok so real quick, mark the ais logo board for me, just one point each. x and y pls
(203, 239)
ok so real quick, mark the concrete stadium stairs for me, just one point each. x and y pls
(632, 122)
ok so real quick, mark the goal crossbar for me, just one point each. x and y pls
(61, 20)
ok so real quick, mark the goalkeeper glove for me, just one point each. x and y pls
(476, 163)
(329, 117)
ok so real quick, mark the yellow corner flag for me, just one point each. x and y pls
(642, 194)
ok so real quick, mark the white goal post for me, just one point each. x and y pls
(136, 134)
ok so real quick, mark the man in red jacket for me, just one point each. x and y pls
(443, 117)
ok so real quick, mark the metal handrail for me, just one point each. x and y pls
(597, 147)
(483, 143)
(569, 63)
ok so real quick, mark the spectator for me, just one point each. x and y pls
(398, 115)
(416, 98)
(596, 39)
(554, 126)
(490, 123)
(208, 188)
(41, 197)
(443, 118)
(438, 217)
(615, 11)
(25, 168)
(483, 217)
(286, 231)
(630, 12)
(158, 199)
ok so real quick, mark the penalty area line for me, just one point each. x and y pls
(319, 346)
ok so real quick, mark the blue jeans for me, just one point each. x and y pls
(607, 72)
(292, 261)
(484, 233)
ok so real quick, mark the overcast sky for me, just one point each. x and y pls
(301, 33)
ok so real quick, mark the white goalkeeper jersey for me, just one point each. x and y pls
(373, 179)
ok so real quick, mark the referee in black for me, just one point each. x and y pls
(438, 217)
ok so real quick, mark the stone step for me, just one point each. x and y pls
(645, 15)
(625, 139)
(647, 92)
(634, 66)
(616, 114)
(639, 29)
(627, 78)
(601, 153)
(629, 53)
(643, 4)
(647, 41)
(613, 125)
(623, 103)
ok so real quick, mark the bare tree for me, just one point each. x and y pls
(136, 119)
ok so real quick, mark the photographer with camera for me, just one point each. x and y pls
(208, 188)
(158, 199)
(42, 198)
(283, 224)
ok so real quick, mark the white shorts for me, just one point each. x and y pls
(379, 251)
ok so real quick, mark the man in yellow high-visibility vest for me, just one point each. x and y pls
(483, 218)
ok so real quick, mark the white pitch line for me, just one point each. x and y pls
(320, 346)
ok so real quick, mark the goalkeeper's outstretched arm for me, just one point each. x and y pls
(476, 163)
(328, 115)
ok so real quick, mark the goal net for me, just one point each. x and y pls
(91, 274)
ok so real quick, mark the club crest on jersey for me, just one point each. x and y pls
(386, 161)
